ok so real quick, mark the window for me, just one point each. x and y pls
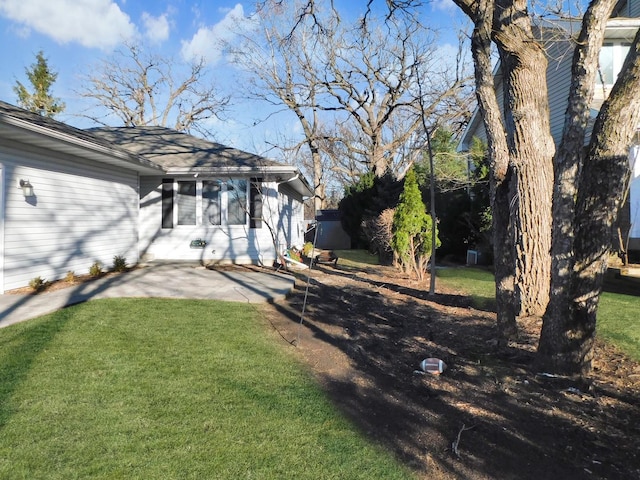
(186, 200)
(236, 202)
(255, 203)
(612, 56)
(211, 202)
(167, 203)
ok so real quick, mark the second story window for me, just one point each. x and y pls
(612, 57)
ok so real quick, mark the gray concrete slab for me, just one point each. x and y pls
(158, 280)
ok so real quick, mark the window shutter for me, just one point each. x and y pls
(167, 203)
(255, 203)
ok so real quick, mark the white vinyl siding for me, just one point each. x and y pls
(632, 10)
(82, 212)
(559, 55)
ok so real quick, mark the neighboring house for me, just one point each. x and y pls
(330, 235)
(70, 197)
(621, 30)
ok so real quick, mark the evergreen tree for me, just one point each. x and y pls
(412, 229)
(40, 99)
(366, 200)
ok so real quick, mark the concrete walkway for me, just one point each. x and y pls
(166, 280)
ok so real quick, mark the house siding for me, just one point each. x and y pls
(632, 10)
(82, 212)
(559, 57)
(224, 243)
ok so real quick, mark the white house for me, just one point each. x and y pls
(70, 197)
(558, 41)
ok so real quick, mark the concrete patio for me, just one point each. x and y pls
(158, 280)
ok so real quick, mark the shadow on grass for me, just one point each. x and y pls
(22, 346)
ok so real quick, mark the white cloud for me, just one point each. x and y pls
(207, 41)
(91, 23)
(443, 5)
(156, 28)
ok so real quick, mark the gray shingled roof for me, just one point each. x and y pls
(179, 151)
(22, 125)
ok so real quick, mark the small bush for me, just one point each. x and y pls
(37, 284)
(307, 248)
(70, 277)
(119, 263)
(294, 254)
(96, 269)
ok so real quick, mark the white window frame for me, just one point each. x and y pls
(619, 53)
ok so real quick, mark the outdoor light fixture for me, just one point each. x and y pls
(27, 188)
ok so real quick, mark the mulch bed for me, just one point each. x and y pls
(490, 415)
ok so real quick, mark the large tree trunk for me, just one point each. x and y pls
(566, 342)
(499, 177)
(568, 163)
(319, 187)
(531, 150)
(586, 201)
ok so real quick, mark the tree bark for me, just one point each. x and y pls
(568, 164)
(566, 345)
(531, 150)
(500, 173)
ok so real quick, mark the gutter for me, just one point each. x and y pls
(78, 141)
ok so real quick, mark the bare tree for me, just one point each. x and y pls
(351, 86)
(279, 59)
(537, 189)
(370, 75)
(585, 183)
(136, 87)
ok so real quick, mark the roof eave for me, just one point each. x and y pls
(276, 173)
(134, 162)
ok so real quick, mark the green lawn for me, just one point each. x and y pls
(617, 314)
(355, 258)
(150, 389)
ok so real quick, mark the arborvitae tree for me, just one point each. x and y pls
(366, 200)
(40, 99)
(412, 229)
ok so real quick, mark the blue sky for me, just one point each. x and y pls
(76, 34)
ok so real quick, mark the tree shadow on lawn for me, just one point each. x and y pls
(488, 416)
(21, 347)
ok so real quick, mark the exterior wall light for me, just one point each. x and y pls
(27, 188)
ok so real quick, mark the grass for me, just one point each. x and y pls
(617, 314)
(618, 322)
(356, 258)
(171, 389)
(475, 282)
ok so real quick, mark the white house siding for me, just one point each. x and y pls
(632, 10)
(82, 212)
(559, 55)
(634, 198)
(224, 243)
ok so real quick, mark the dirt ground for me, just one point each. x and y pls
(489, 415)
